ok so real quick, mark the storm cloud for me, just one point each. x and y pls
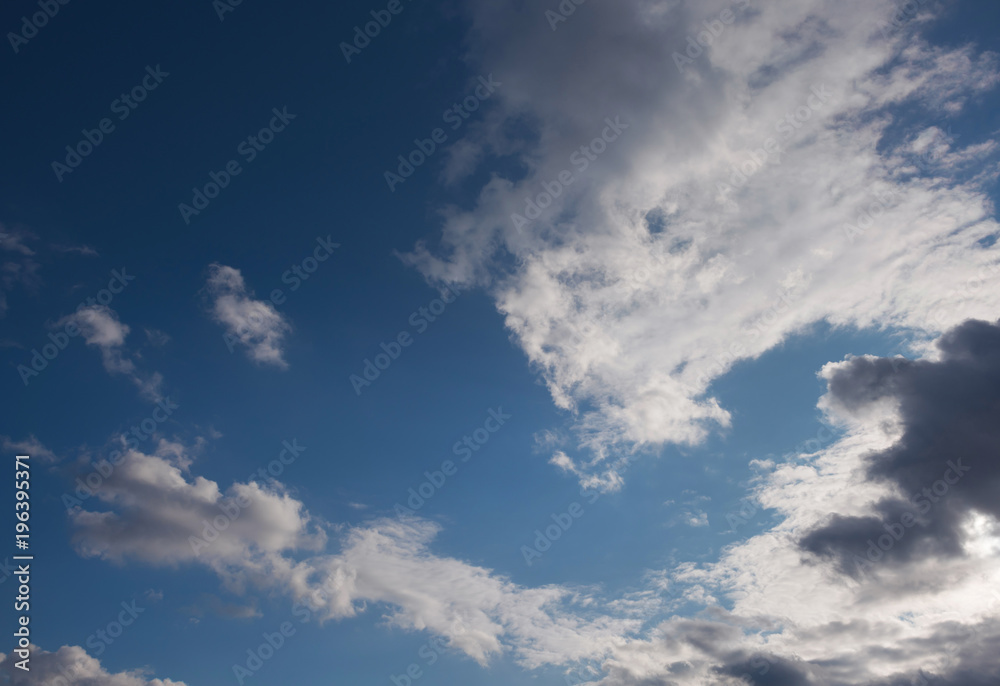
(944, 466)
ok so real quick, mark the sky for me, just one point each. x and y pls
(633, 343)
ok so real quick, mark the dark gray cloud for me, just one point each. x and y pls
(762, 669)
(946, 463)
(970, 657)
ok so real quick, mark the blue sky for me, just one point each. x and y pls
(669, 346)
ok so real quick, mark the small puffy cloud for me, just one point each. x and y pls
(101, 328)
(156, 337)
(72, 666)
(159, 516)
(254, 324)
(84, 250)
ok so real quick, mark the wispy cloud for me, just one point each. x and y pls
(101, 328)
(18, 266)
(30, 446)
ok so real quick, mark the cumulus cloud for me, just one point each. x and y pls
(101, 328)
(764, 186)
(160, 516)
(72, 666)
(943, 467)
(254, 324)
(259, 536)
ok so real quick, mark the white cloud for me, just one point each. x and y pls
(481, 613)
(157, 515)
(72, 666)
(255, 324)
(648, 278)
(936, 611)
(15, 242)
(100, 327)
(800, 619)
(30, 446)
(18, 268)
